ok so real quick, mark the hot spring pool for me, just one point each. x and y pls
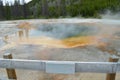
(65, 34)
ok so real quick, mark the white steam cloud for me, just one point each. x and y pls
(61, 31)
(110, 15)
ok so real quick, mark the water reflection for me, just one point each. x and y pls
(27, 33)
(20, 34)
(23, 34)
(6, 39)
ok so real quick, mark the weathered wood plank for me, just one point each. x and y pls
(10, 72)
(112, 76)
(22, 64)
(96, 67)
(60, 67)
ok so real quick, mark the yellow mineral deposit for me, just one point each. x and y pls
(80, 41)
(64, 43)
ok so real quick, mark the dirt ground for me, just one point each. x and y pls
(42, 52)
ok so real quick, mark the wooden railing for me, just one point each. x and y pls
(60, 67)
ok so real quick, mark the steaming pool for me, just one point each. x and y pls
(62, 40)
(62, 35)
(65, 34)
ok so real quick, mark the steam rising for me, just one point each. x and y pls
(110, 15)
(62, 31)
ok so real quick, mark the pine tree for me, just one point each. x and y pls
(45, 8)
(7, 11)
(24, 9)
(2, 11)
(17, 9)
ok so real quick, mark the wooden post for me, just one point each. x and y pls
(10, 72)
(112, 76)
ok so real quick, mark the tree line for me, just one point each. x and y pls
(56, 8)
(13, 11)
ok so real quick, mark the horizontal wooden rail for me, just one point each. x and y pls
(63, 67)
